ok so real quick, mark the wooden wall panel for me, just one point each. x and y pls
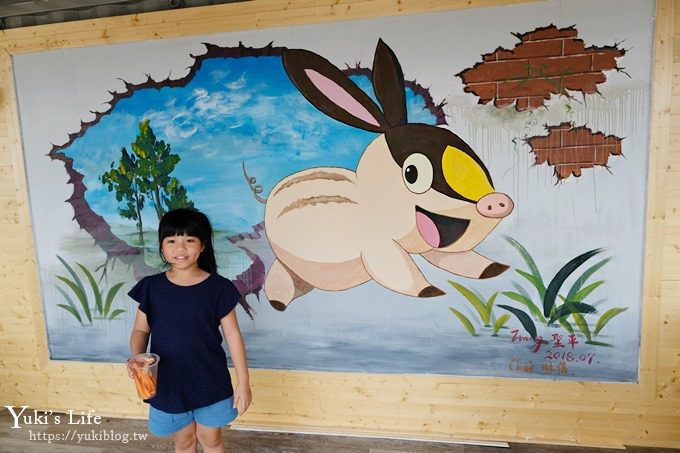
(435, 407)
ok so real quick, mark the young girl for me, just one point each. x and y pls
(182, 310)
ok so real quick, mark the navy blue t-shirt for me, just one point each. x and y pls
(185, 333)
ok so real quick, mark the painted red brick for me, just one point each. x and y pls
(560, 66)
(521, 104)
(504, 102)
(498, 71)
(602, 154)
(611, 150)
(536, 102)
(581, 155)
(532, 50)
(490, 57)
(544, 142)
(582, 136)
(529, 87)
(586, 83)
(573, 46)
(541, 156)
(548, 61)
(604, 61)
(570, 149)
(564, 171)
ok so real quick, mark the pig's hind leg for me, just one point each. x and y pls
(283, 285)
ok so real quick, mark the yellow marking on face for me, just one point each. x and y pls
(464, 175)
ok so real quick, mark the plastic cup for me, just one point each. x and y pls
(144, 370)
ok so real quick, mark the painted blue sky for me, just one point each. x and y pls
(234, 110)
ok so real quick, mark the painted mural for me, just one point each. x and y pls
(390, 204)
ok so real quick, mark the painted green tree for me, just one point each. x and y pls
(124, 180)
(145, 174)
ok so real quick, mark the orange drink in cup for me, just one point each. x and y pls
(144, 370)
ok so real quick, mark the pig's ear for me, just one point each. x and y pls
(388, 84)
(330, 91)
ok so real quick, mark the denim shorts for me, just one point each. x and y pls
(213, 416)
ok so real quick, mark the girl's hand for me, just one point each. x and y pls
(242, 398)
(138, 359)
(128, 366)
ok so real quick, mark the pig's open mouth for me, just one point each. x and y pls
(438, 230)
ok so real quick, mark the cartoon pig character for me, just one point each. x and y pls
(417, 189)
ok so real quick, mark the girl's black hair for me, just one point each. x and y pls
(190, 222)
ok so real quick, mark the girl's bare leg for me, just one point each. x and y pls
(210, 439)
(185, 439)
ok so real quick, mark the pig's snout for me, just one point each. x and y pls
(495, 205)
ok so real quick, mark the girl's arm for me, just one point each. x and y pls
(237, 350)
(139, 338)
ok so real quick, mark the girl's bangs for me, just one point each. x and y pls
(181, 229)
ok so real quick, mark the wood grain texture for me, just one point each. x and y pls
(114, 435)
(428, 407)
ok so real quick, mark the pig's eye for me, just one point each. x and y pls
(417, 173)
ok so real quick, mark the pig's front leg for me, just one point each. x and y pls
(466, 264)
(389, 265)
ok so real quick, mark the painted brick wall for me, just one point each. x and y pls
(570, 149)
(547, 61)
